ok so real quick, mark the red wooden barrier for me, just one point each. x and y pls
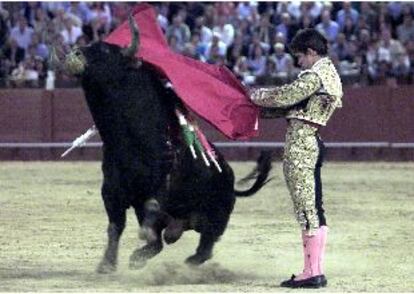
(370, 114)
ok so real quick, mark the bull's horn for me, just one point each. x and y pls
(134, 46)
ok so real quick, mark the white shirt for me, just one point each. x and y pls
(24, 38)
(226, 32)
(72, 36)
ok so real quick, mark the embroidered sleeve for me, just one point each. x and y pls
(287, 95)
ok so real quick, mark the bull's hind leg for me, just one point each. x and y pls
(204, 250)
(117, 219)
(212, 226)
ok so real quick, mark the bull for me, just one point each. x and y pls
(146, 164)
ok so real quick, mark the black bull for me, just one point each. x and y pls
(146, 164)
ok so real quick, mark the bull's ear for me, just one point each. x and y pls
(134, 46)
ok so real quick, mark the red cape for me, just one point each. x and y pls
(211, 91)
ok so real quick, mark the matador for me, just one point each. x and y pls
(307, 103)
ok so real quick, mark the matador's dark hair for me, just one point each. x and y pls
(309, 38)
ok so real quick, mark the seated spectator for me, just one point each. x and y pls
(81, 11)
(394, 12)
(238, 48)
(22, 33)
(41, 68)
(13, 52)
(174, 45)
(364, 40)
(71, 32)
(270, 68)
(58, 23)
(372, 60)
(29, 11)
(216, 45)
(282, 59)
(215, 56)
(256, 41)
(100, 13)
(194, 48)
(257, 61)
(205, 32)
(306, 22)
(347, 12)
(341, 48)
(328, 27)
(405, 31)
(31, 76)
(179, 30)
(225, 29)
(313, 9)
(287, 27)
(17, 77)
(40, 24)
(245, 10)
(350, 67)
(246, 30)
(349, 29)
(265, 29)
(401, 66)
(293, 8)
(121, 14)
(242, 71)
(388, 43)
(368, 16)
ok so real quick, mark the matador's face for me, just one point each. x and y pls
(306, 61)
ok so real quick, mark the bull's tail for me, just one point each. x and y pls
(261, 173)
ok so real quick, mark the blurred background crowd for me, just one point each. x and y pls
(370, 42)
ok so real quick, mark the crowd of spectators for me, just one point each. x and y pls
(370, 42)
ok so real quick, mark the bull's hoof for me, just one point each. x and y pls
(147, 234)
(136, 264)
(173, 231)
(105, 267)
(196, 259)
(137, 260)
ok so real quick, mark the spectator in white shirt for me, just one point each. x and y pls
(71, 32)
(205, 32)
(217, 46)
(22, 33)
(226, 30)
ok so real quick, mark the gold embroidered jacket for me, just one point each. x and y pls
(312, 97)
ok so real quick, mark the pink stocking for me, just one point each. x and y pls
(323, 237)
(311, 250)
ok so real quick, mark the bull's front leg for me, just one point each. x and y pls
(117, 218)
(151, 228)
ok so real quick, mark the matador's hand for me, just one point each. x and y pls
(260, 95)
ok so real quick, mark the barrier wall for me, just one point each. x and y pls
(375, 123)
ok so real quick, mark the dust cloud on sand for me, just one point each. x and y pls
(173, 273)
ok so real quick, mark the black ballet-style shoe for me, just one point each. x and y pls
(312, 282)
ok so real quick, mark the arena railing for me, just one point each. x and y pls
(42, 145)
